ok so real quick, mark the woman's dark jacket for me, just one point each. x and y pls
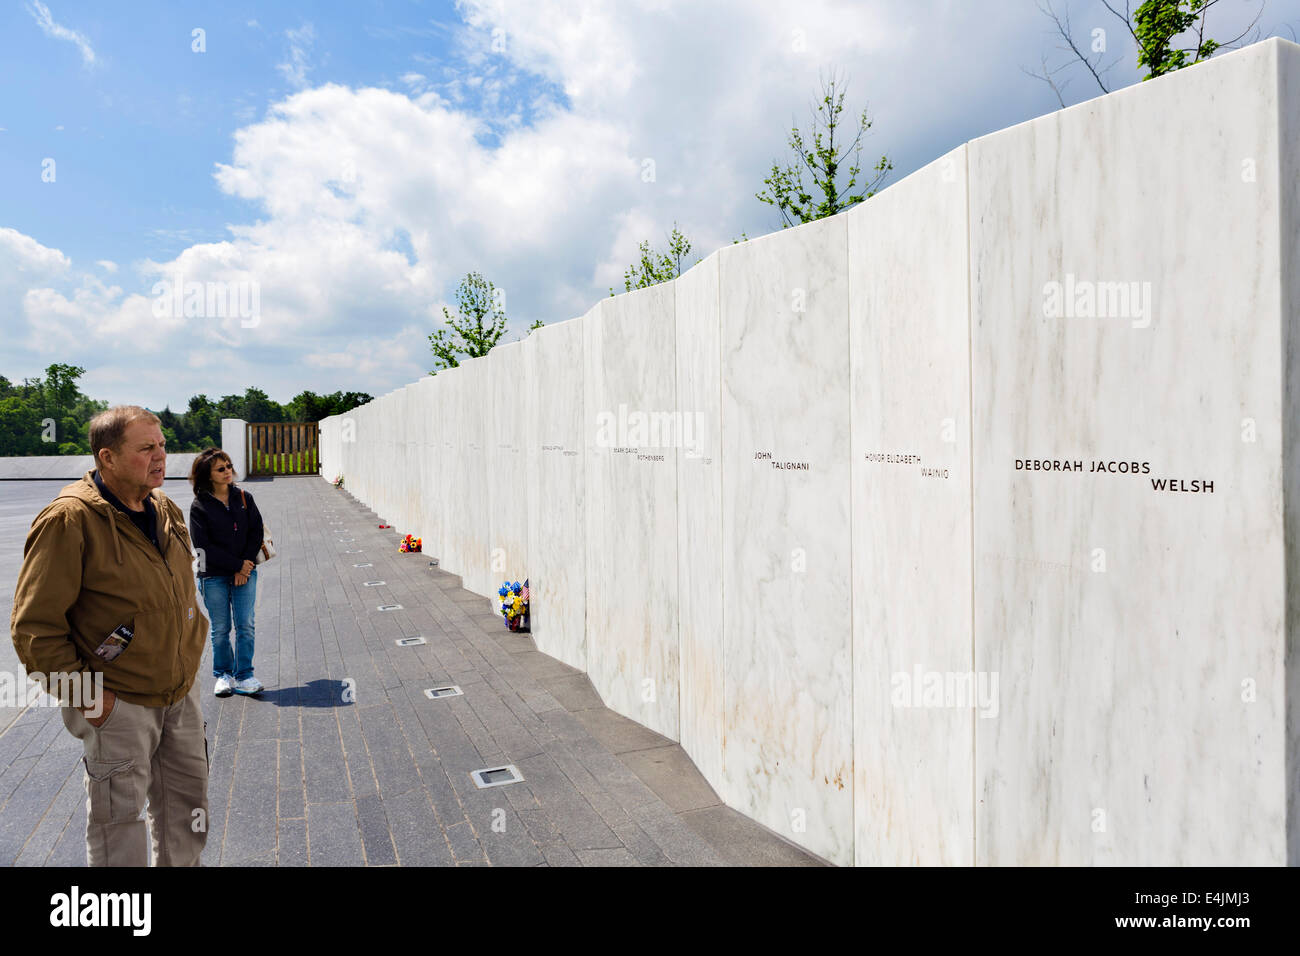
(227, 535)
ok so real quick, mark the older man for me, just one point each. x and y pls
(106, 588)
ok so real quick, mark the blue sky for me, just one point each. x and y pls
(354, 160)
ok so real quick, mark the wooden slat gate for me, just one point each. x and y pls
(283, 448)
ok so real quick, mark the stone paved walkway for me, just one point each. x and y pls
(344, 761)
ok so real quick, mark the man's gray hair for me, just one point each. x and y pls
(108, 428)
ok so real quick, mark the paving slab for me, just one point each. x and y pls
(342, 761)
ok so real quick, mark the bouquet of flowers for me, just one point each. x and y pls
(338, 482)
(410, 543)
(514, 605)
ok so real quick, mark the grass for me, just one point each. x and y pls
(287, 463)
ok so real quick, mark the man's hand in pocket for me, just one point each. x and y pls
(109, 702)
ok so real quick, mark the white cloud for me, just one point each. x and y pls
(296, 68)
(23, 254)
(524, 164)
(41, 14)
(107, 265)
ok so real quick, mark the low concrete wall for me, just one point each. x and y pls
(72, 467)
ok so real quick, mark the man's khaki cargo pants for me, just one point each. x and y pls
(156, 752)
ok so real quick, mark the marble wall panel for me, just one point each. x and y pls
(553, 358)
(381, 468)
(699, 515)
(788, 755)
(450, 465)
(362, 451)
(371, 443)
(430, 518)
(475, 402)
(1289, 152)
(1126, 312)
(909, 351)
(632, 639)
(399, 477)
(507, 494)
(410, 476)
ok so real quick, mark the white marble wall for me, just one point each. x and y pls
(557, 507)
(909, 349)
(409, 522)
(788, 756)
(385, 425)
(507, 493)
(632, 651)
(1123, 621)
(419, 429)
(400, 482)
(699, 516)
(1125, 649)
(451, 466)
(1289, 151)
(475, 403)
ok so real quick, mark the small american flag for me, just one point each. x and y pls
(524, 593)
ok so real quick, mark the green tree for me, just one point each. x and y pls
(655, 267)
(20, 427)
(821, 157)
(259, 407)
(60, 389)
(26, 408)
(307, 406)
(1156, 27)
(202, 424)
(341, 402)
(478, 325)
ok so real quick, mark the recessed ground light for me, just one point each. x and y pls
(408, 641)
(375, 584)
(346, 540)
(496, 776)
(355, 551)
(434, 693)
(433, 563)
(390, 607)
(368, 564)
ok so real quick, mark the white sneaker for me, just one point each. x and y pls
(249, 685)
(225, 686)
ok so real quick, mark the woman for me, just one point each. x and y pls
(226, 529)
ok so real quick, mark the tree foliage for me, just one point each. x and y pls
(655, 267)
(1155, 26)
(26, 409)
(822, 159)
(478, 325)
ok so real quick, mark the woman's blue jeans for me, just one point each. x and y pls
(224, 601)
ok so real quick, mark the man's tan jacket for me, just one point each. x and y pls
(87, 570)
